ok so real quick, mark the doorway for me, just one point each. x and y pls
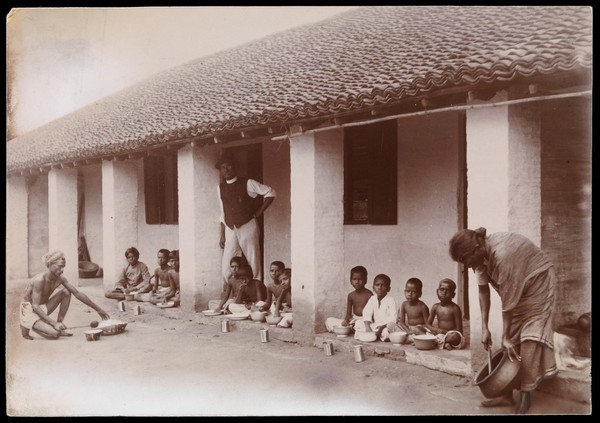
(250, 165)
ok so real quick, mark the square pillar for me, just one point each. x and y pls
(503, 192)
(317, 229)
(62, 218)
(16, 228)
(199, 251)
(119, 216)
(525, 171)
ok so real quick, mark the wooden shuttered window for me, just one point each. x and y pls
(160, 189)
(370, 174)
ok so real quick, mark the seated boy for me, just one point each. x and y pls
(275, 289)
(246, 292)
(379, 311)
(449, 317)
(234, 265)
(413, 313)
(160, 280)
(356, 300)
(135, 277)
(283, 304)
(173, 276)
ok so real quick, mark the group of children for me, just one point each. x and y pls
(378, 313)
(365, 311)
(242, 294)
(161, 287)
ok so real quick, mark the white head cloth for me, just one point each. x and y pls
(52, 256)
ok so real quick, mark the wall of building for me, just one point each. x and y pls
(277, 228)
(151, 238)
(16, 256)
(38, 223)
(566, 202)
(92, 211)
(428, 176)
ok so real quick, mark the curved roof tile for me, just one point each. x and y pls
(362, 58)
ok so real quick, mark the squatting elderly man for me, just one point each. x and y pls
(39, 303)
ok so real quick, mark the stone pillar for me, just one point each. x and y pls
(62, 218)
(317, 229)
(200, 254)
(119, 216)
(524, 176)
(503, 162)
(487, 206)
(17, 266)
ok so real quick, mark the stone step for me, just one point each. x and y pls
(455, 362)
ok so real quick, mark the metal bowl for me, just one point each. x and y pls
(425, 342)
(366, 336)
(342, 330)
(258, 316)
(399, 337)
(503, 378)
(272, 320)
(93, 334)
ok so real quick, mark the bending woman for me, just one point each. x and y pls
(524, 277)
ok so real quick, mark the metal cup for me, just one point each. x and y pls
(359, 355)
(264, 335)
(225, 325)
(137, 310)
(328, 348)
(121, 305)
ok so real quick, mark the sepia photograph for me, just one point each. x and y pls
(425, 171)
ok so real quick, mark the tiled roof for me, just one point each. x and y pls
(359, 59)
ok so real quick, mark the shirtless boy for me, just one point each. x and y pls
(449, 317)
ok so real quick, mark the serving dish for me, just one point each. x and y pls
(93, 334)
(112, 326)
(366, 336)
(425, 342)
(236, 316)
(342, 331)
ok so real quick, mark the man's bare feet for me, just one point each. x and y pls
(497, 402)
(65, 333)
(25, 333)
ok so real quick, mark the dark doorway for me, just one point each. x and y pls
(249, 165)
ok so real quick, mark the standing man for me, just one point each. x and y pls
(239, 227)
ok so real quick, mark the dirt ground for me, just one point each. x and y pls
(176, 367)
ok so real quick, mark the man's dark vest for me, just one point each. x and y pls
(237, 204)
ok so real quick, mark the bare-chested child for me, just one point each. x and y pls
(160, 280)
(235, 263)
(38, 302)
(413, 313)
(449, 317)
(245, 290)
(356, 300)
(275, 288)
(173, 276)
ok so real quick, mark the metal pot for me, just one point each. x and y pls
(93, 334)
(399, 337)
(258, 316)
(425, 342)
(503, 378)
